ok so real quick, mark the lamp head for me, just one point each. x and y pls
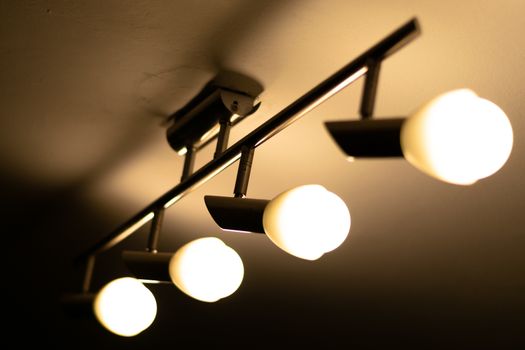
(457, 137)
(205, 269)
(306, 221)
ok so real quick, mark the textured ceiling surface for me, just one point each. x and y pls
(87, 88)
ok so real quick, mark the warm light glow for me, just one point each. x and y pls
(125, 307)
(207, 269)
(458, 137)
(307, 221)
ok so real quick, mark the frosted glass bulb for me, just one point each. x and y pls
(206, 269)
(125, 307)
(307, 221)
(458, 137)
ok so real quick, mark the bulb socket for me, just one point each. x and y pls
(368, 138)
(148, 266)
(237, 214)
(78, 305)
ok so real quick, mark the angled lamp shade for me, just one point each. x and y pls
(457, 137)
(306, 221)
(125, 307)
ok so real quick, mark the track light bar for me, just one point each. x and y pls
(326, 89)
(457, 137)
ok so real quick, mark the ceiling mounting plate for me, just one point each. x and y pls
(229, 97)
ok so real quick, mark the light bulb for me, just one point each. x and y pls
(206, 269)
(125, 307)
(458, 137)
(307, 221)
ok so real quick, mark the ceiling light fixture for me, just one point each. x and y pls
(306, 221)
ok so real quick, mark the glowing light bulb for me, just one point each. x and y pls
(458, 137)
(125, 307)
(206, 269)
(307, 221)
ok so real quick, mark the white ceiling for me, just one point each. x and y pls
(87, 88)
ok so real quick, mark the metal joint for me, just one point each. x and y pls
(243, 172)
(370, 88)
